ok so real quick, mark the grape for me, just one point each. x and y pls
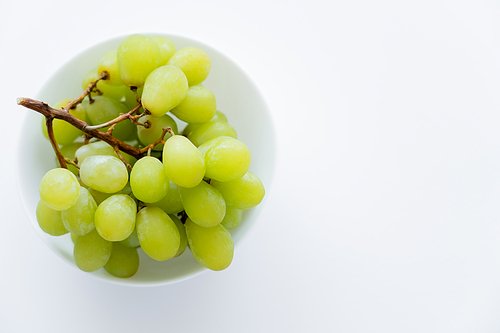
(232, 219)
(89, 78)
(164, 89)
(171, 203)
(91, 251)
(123, 262)
(69, 151)
(212, 247)
(104, 109)
(50, 220)
(193, 62)
(182, 234)
(109, 64)
(158, 234)
(167, 48)
(219, 116)
(104, 173)
(226, 158)
(99, 148)
(210, 130)
(64, 132)
(120, 93)
(100, 196)
(115, 217)
(79, 218)
(74, 238)
(203, 204)
(183, 162)
(198, 107)
(137, 57)
(59, 189)
(132, 240)
(153, 132)
(243, 193)
(148, 180)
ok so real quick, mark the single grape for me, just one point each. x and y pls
(100, 148)
(64, 132)
(104, 173)
(232, 219)
(203, 204)
(69, 151)
(115, 217)
(219, 116)
(183, 162)
(74, 238)
(89, 78)
(120, 93)
(158, 234)
(243, 193)
(91, 252)
(79, 218)
(123, 262)
(109, 64)
(155, 127)
(171, 203)
(59, 189)
(132, 240)
(198, 107)
(212, 247)
(167, 48)
(182, 234)
(193, 62)
(148, 180)
(101, 196)
(50, 220)
(164, 89)
(137, 57)
(210, 130)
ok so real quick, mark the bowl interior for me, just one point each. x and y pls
(236, 96)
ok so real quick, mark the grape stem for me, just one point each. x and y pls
(117, 152)
(160, 140)
(52, 138)
(73, 163)
(91, 86)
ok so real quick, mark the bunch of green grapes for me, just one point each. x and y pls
(187, 191)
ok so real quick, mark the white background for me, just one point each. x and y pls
(385, 213)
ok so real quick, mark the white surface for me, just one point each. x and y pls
(385, 212)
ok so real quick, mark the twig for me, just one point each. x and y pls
(87, 91)
(160, 139)
(120, 156)
(73, 163)
(52, 138)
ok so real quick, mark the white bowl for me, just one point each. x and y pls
(237, 96)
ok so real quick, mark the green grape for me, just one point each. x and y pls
(91, 251)
(171, 203)
(242, 193)
(212, 247)
(167, 48)
(79, 218)
(109, 64)
(210, 130)
(90, 78)
(74, 238)
(193, 62)
(115, 217)
(104, 109)
(64, 132)
(198, 107)
(100, 196)
(158, 234)
(104, 173)
(203, 204)
(59, 189)
(183, 162)
(219, 116)
(50, 220)
(69, 151)
(120, 93)
(132, 240)
(164, 89)
(123, 262)
(232, 219)
(182, 234)
(137, 57)
(156, 125)
(148, 180)
(226, 158)
(100, 148)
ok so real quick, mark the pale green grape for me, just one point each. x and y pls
(183, 162)
(212, 247)
(137, 57)
(64, 132)
(120, 93)
(100, 196)
(103, 173)
(132, 240)
(210, 130)
(242, 193)
(123, 262)
(171, 203)
(148, 180)
(50, 220)
(193, 62)
(203, 204)
(182, 234)
(115, 217)
(219, 116)
(91, 251)
(74, 238)
(167, 48)
(158, 234)
(109, 64)
(69, 151)
(153, 132)
(164, 89)
(89, 78)
(79, 218)
(100, 148)
(232, 219)
(198, 107)
(59, 189)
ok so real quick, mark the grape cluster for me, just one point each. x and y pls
(188, 190)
